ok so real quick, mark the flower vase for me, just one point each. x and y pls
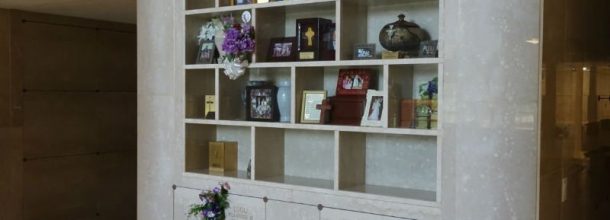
(283, 100)
(236, 68)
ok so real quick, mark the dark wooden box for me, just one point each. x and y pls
(345, 110)
(314, 39)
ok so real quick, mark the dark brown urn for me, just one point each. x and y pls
(401, 35)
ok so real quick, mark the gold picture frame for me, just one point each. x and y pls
(310, 114)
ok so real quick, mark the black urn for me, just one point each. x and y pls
(402, 35)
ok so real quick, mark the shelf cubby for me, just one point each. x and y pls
(362, 20)
(325, 78)
(295, 157)
(388, 165)
(404, 81)
(199, 4)
(199, 83)
(197, 142)
(231, 105)
(275, 22)
(192, 27)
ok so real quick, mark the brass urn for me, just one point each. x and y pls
(401, 35)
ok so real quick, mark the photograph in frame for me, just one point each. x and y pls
(282, 49)
(353, 82)
(364, 51)
(310, 113)
(262, 103)
(373, 112)
(206, 53)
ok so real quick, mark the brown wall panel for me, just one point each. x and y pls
(82, 187)
(78, 78)
(117, 192)
(93, 55)
(10, 173)
(64, 188)
(5, 78)
(116, 124)
(45, 46)
(59, 124)
(74, 123)
(117, 67)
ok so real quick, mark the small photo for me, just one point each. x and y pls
(282, 49)
(364, 51)
(353, 81)
(376, 108)
(243, 2)
(207, 52)
(373, 112)
(428, 49)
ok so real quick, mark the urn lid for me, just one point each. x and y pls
(402, 23)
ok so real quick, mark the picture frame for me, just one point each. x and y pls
(374, 110)
(206, 53)
(243, 2)
(282, 49)
(261, 103)
(353, 82)
(428, 48)
(310, 114)
(364, 51)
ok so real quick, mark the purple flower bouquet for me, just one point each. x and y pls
(239, 42)
(213, 203)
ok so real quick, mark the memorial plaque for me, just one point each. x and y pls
(223, 156)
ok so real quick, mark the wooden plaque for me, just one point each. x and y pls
(223, 156)
(407, 113)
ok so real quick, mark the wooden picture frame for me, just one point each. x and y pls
(310, 113)
(261, 103)
(206, 53)
(353, 82)
(282, 49)
(364, 51)
(373, 113)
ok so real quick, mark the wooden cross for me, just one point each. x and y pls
(310, 33)
(324, 108)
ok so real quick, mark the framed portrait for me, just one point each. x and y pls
(364, 51)
(310, 114)
(283, 49)
(262, 103)
(373, 113)
(206, 53)
(353, 81)
(243, 2)
(428, 48)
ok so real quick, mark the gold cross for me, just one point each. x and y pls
(310, 35)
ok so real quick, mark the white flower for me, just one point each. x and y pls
(211, 214)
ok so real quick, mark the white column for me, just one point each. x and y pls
(156, 106)
(490, 140)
